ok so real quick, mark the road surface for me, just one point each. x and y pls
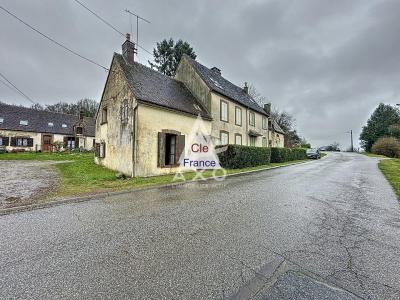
(327, 229)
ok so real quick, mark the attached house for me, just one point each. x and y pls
(26, 129)
(236, 116)
(276, 135)
(144, 116)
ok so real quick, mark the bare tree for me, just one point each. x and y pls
(285, 120)
(253, 92)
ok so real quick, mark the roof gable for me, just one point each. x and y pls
(222, 86)
(155, 88)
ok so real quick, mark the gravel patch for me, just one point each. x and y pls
(24, 182)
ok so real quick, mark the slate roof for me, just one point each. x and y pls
(155, 88)
(219, 84)
(38, 120)
(277, 128)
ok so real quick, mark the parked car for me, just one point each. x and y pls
(313, 153)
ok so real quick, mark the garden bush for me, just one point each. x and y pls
(237, 156)
(279, 155)
(387, 146)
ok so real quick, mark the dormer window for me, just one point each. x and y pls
(50, 124)
(23, 122)
(1, 120)
(64, 126)
(79, 130)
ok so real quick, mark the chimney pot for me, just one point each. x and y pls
(128, 50)
(267, 108)
(246, 88)
(216, 70)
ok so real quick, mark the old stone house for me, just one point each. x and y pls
(276, 135)
(26, 129)
(144, 116)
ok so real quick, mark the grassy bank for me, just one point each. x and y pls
(373, 155)
(391, 169)
(80, 175)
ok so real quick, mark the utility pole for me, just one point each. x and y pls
(351, 136)
(137, 23)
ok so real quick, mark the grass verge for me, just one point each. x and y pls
(373, 155)
(81, 176)
(391, 169)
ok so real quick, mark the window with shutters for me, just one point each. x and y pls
(124, 112)
(170, 147)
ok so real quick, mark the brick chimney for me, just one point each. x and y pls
(246, 88)
(128, 50)
(81, 115)
(216, 70)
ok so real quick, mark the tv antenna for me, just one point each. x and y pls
(137, 23)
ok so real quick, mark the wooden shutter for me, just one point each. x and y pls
(97, 150)
(76, 142)
(13, 141)
(30, 142)
(161, 150)
(65, 142)
(180, 147)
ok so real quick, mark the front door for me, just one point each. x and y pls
(47, 139)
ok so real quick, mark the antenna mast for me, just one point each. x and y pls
(137, 23)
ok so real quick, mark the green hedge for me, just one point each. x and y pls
(279, 155)
(237, 156)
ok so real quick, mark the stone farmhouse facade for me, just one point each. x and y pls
(276, 135)
(144, 116)
(26, 129)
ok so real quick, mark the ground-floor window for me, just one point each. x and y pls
(70, 142)
(170, 146)
(264, 141)
(21, 142)
(238, 139)
(224, 137)
(3, 141)
(170, 149)
(252, 141)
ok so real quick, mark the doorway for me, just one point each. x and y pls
(47, 141)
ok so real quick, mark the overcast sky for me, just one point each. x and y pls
(329, 63)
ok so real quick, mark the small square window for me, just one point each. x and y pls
(50, 124)
(23, 122)
(64, 126)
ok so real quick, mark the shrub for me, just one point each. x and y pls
(279, 155)
(237, 156)
(387, 146)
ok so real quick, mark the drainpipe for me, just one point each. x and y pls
(134, 141)
(247, 127)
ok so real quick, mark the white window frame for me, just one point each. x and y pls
(238, 119)
(222, 140)
(252, 117)
(224, 114)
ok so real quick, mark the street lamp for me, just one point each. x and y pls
(351, 137)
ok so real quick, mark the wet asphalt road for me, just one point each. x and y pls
(328, 229)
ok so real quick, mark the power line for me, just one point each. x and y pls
(110, 25)
(103, 20)
(13, 85)
(54, 41)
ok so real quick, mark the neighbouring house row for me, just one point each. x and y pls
(144, 116)
(26, 129)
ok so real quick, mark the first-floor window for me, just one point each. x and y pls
(252, 118)
(238, 139)
(224, 138)
(252, 141)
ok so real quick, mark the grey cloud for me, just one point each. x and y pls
(327, 62)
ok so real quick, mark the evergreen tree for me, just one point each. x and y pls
(168, 54)
(378, 125)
